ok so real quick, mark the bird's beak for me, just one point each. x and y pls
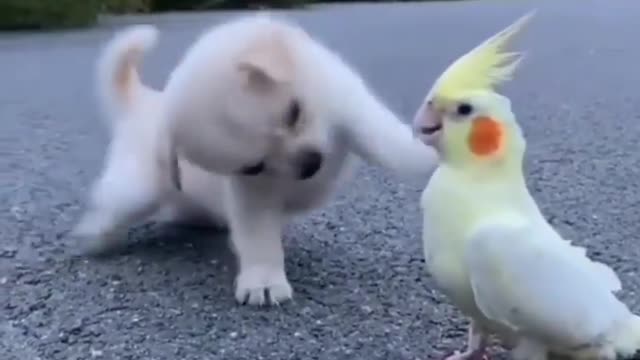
(427, 125)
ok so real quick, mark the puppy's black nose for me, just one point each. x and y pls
(309, 162)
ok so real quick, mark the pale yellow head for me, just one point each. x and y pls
(463, 116)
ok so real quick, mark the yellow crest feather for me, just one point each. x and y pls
(484, 67)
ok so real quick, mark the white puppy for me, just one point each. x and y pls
(257, 123)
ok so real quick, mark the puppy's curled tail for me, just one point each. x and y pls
(118, 80)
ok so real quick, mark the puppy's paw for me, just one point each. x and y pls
(260, 285)
(96, 235)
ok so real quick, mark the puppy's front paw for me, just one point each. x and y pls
(95, 234)
(259, 284)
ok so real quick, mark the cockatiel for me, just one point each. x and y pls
(486, 243)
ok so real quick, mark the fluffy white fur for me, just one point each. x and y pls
(227, 106)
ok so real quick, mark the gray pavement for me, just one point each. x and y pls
(361, 288)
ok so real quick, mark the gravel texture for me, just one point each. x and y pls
(361, 291)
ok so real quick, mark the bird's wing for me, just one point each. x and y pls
(524, 278)
(606, 274)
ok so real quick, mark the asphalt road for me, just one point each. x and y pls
(356, 266)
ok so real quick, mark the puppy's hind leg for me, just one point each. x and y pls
(201, 201)
(182, 211)
(129, 189)
(256, 220)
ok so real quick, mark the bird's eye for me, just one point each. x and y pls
(293, 114)
(464, 109)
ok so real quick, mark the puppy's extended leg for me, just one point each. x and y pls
(129, 189)
(256, 220)
(378, 136)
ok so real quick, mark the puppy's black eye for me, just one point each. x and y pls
(464, 109)
(253, 170)
(293, 114)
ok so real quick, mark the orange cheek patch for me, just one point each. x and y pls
(486, 136)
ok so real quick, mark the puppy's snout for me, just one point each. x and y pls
(308, 163)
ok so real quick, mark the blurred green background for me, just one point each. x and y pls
(47, 14)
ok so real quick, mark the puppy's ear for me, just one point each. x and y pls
(267, 63)
(258, 78)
